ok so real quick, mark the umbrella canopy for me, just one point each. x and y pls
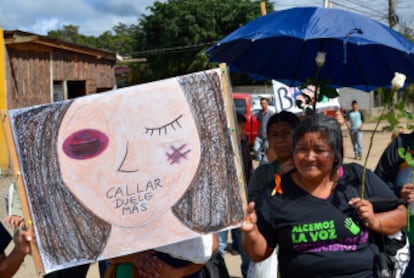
(360, 52)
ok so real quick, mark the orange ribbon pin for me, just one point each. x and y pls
(278, 186)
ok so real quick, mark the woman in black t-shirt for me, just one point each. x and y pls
(321, 225)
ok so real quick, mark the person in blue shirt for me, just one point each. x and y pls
(355, 122)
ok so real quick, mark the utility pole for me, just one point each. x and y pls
(263, 8)
(392, 17)
(4, 153)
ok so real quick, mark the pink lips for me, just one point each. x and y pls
(85, 144)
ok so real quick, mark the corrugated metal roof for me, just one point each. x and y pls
(17, 37)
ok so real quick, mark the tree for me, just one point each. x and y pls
(121, 42)
(174, 35)
(70, 33)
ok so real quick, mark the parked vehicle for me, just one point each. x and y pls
(248, 105)
(244, 105)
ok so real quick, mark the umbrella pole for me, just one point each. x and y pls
(316, 89)
(320, 61)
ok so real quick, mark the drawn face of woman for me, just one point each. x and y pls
(129, 156)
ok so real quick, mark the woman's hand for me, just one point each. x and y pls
(14, 221)
(365, 211)
(22, 237)
(254, 244)
(407, 192)
(250, 219)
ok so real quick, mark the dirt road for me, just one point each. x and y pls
(381, 140)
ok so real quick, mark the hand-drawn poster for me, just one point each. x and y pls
(129, 170)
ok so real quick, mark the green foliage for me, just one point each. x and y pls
(407, 155)
(172, 37)
(326, 90)
(175, 34)
(391, 118)
(121, 42)
(323, 90)
(324, 86)
(409, 93)
(395, 105)
(70, 33)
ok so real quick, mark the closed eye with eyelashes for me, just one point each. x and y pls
(162, 130)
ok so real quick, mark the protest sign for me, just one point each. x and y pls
(285, 99)
(128, 170)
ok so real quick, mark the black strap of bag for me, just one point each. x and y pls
(215, 267)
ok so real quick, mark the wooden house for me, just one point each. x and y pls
(41, 70)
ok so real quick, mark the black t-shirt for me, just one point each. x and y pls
(390, 161)
(318, 237)
(5, 238)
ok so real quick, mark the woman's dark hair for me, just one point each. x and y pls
(327, 126)
(284, 116)
(66, 229)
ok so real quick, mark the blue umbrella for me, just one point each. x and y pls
(360, 52)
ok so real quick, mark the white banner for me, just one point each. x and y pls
(285, 99)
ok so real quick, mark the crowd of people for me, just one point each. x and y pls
(305, 216)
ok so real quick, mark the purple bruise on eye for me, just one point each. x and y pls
(177, 154)
(85, 143)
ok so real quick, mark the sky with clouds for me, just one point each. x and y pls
(94, 17)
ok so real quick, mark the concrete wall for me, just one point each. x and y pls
(365, 100)
(268, 89)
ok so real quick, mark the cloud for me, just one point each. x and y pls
(46, 24)
(93, 17)
(119, 8)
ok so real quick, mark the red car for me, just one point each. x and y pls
(244, 105)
